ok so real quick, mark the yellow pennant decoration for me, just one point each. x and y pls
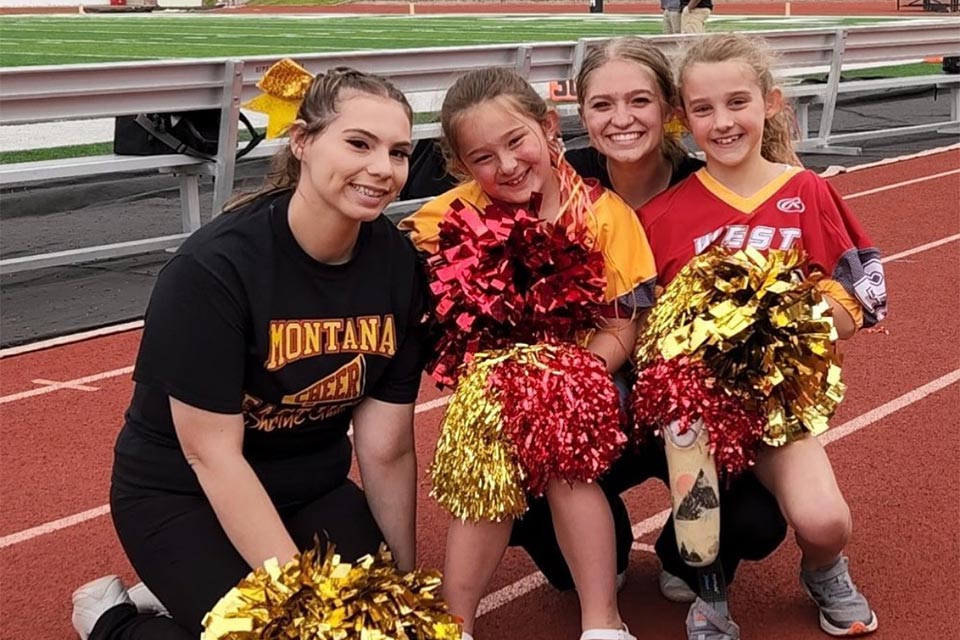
(284, 86)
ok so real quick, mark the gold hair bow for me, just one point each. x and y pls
(284, 86)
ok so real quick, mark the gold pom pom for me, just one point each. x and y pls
(764, 330)
(321, 598)
(475, 472)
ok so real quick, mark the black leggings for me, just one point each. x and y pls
(180, 551)
(751, 525)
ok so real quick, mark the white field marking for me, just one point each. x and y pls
(63, 385)
(76, 337)
(56, 525)
(884, 410)
(905, 183)
(923, 247)
(432, 404)
(836, 169)
(527, 584)
(128, 326)
(102, 510)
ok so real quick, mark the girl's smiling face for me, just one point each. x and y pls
(726, 110)
(506, 151)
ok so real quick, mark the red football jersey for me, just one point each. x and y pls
(797, 209)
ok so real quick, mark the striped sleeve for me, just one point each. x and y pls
(848, 256)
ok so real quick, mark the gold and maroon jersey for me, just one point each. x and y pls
(797, 209)
(629, 269)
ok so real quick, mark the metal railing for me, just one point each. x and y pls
(47, 93)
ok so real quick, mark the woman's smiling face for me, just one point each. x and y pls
(624, 111)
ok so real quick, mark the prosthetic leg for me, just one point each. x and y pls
(695, 495)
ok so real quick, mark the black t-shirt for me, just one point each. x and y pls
(704, 4)
(590, 163)
(242, 320)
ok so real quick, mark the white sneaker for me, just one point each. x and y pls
(145, 600)
(608, 634)
(94, 599)
(466, 636)
(675, 589)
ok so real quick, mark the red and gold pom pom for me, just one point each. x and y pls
(318, 597)
(562, 412)
(500, 277)
(519, 418)
(685, 390)
(475, 472)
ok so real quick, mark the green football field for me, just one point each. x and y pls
(68, 39)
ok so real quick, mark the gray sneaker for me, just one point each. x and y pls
(843, 610)
(706, 623)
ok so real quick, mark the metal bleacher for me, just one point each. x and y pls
(76, 92)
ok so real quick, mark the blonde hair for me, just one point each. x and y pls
(778, 129)
(474, 88)
(320, 106)
(645, 54)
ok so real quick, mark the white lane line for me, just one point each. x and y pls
(66, 385)
(432, 404)
(897, 185)
(103, 510)
(884, 410)
(56, 525)
(74, 337)
(834, 170)
(525, 585)
(921, 248)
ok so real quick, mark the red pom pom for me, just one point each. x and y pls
(501, 277)
(685, 390)
(562, 412)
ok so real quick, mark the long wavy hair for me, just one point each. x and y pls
(779, 129)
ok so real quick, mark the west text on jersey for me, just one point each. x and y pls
(738, 236)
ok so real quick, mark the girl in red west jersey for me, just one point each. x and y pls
(752, 193)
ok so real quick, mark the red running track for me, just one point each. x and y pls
(897, 466)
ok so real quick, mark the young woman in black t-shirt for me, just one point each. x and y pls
(270, 331)
(627, 94)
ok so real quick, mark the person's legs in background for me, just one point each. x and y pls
(694, 21)
(671, 21)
